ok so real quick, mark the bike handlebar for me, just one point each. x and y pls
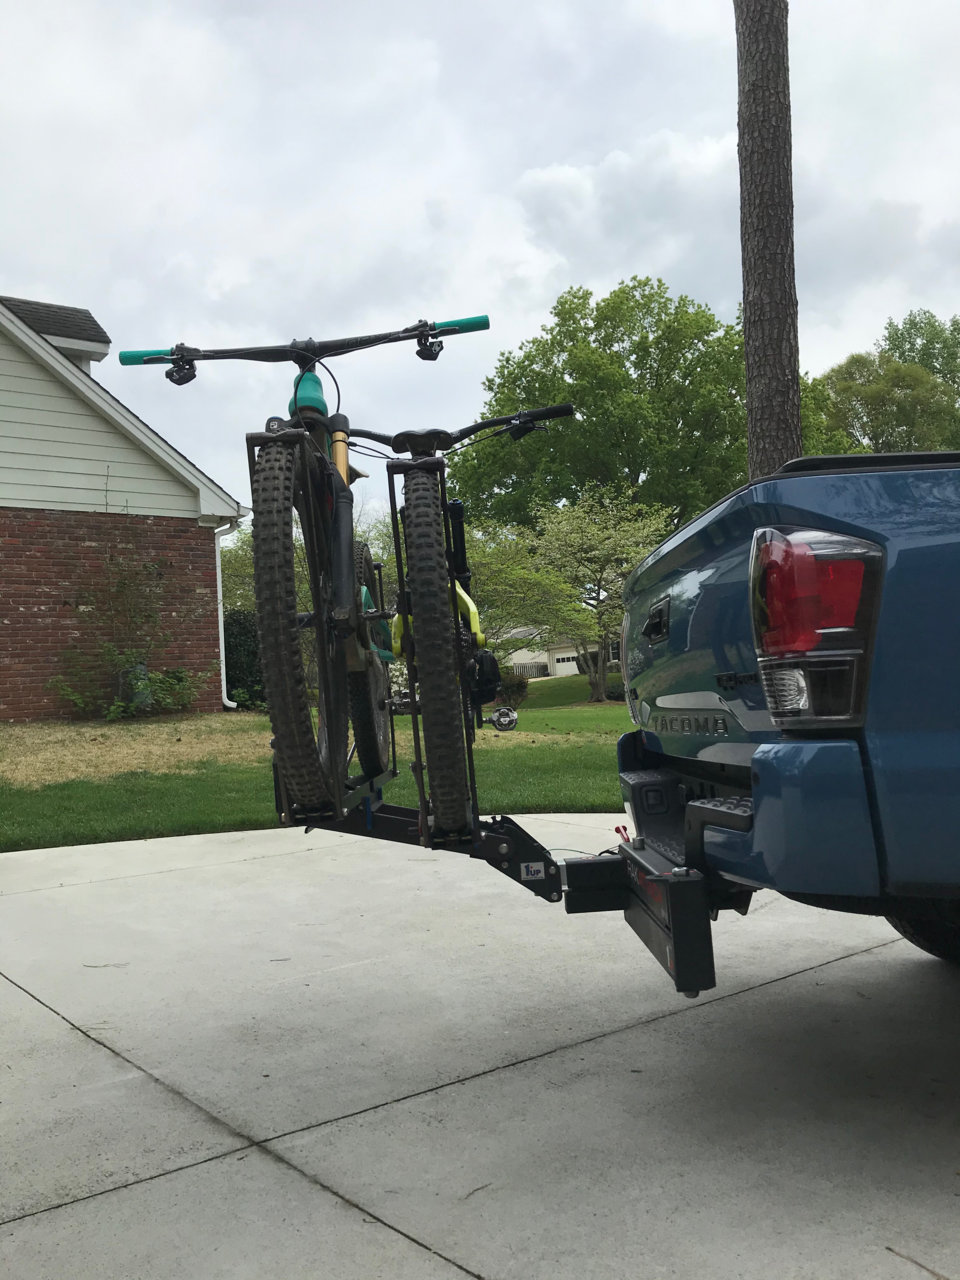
(437, 440)
(531, 415)
(307, 352)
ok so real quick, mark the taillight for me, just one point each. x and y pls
(814, 596)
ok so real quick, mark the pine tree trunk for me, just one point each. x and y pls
(766, 235)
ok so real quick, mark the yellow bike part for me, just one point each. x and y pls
(465, 607)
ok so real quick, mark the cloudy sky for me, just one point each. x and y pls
(231, 172)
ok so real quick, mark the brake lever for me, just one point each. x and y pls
(181, 372)
(428, 348)
(518, 430)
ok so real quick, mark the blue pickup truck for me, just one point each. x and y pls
(791, 668)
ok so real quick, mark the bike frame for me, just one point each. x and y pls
(336, 430)
(324, 441)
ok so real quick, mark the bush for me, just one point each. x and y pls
(241, 653)
(513, 687)
(123, 617)
(129, 688)
(615, 689)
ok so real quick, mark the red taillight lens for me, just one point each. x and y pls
(801, 595)
(814, 597)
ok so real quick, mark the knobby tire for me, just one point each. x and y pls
(435, 646)
(309, 754)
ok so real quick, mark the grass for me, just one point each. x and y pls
(79, 783)
(137, 806)
(566, 691)
(559, 691)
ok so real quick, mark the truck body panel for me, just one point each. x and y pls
(860, 810)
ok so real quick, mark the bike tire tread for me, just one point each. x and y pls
(435, 652)
(284, 678)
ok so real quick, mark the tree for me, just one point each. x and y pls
(593, 544)
(823, 432)
(766, 235)
(515, 590)
(880, 405)
(236, 570)
(921, 338)
(657, 384)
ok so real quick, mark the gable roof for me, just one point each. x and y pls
(214, 504)
(46, 318)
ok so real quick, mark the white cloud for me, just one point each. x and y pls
(218, 172)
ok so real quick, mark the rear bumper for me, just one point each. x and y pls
(812, 830)
(811, 833)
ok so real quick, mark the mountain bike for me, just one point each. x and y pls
(327, 637)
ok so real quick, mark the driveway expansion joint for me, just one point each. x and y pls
(684, 1010)
(245, 1143)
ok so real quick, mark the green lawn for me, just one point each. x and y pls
(561, 758)
(567, 691)
(137, 806)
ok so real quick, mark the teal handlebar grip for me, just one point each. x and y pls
(472, 324)
(138, 357)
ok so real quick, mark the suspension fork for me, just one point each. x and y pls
(339, 429)
(344, 574)
(458, 544)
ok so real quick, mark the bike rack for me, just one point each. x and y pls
(666, 906)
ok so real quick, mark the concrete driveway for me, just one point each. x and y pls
(278, 1055)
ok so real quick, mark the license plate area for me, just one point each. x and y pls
(670, 913)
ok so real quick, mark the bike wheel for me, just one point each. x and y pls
(304, 669)
(370, 689)
(435, 651)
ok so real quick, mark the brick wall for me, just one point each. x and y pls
(48, 559)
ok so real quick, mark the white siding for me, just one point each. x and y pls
(56, 452)
(529, 655)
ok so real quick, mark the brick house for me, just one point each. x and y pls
(85, 485)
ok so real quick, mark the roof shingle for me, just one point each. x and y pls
(46, 318)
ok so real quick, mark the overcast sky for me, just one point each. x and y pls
(222, 173)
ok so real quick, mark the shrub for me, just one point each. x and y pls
(241, 653)
(123, 616)
(513, 687)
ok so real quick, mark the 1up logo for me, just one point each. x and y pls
(531, 871)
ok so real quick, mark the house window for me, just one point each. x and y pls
(615, 651)
(571, 658)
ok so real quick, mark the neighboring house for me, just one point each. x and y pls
(82, 482)
(558, 659)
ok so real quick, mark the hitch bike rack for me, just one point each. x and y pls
(666, 905)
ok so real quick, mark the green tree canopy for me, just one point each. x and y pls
(592, 545)
(658, 385)
(878, 404)
(515, 590)
(921, 338)
(236, 569)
